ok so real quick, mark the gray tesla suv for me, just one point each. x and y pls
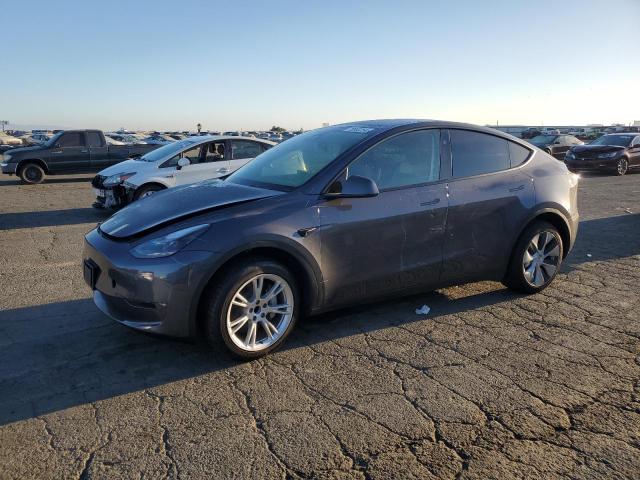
(330, 218)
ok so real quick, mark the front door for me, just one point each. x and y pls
(207, 161)
(391, 242)
(70, 154)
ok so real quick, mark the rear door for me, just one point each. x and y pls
(490, 198)
(634, 152)
(70, 154)
(98, 150)
(391, 242)
(243, 151)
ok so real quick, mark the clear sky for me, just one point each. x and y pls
(250, 65)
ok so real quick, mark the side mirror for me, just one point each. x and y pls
(183, 162)
(353, 187)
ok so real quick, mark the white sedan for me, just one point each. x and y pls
(186, 161)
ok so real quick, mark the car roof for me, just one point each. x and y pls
(389, 124)
(209, 138)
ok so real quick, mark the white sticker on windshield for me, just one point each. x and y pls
(358, 129)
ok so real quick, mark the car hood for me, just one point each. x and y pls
(125, 167)
(596, 148)
(174, 204)
(19, 150)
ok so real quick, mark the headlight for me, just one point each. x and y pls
(6, 158)
(608, 155)
(117, 179)
(168, 244)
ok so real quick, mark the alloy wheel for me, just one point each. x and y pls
(541, 258)
(260, 312)
(622, 166)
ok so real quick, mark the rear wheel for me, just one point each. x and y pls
(536, 259)
(623, 166)
(146, 191)
(31, 173)
(252, 308)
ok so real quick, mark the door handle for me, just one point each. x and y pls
(222, 170)
(430, 202)
(84, 151)
(58, 152)
(517, 189)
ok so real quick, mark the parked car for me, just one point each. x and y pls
(126, 138)
(6, 139)
(186, 161)
(35, 139)
(555, 145)
(158, 139)
(530, 132)
(334, 217)
(614, 152)
(69, 151)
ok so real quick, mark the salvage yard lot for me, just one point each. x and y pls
(489, 384)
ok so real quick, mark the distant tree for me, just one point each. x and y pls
(278, 129)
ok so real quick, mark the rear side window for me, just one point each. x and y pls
(71, 139)
(94, 138)
(477, 153)
(245, 149)
(517, 154)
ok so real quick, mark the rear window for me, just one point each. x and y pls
(477, 153)
(517, 154)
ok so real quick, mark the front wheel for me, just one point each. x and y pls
(146, 191)
(536, 259)
(622, 167)
(252, 308)
(31, 173)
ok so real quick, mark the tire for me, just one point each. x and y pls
(544, 261)
(232, 297)
(31, 173)
(622, 167)
(146, 190)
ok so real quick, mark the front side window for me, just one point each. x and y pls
(71, 139)
(214, 151)
(407, 159)
(193, 155)
(244, 149)
(475, 153)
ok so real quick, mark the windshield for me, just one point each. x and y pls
(543, 139)
(52, 141)
(167, 151)
(294, 162)
(617, 140)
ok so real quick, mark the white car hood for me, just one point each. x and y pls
(127, 166)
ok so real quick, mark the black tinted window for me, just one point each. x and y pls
(71, 139)
(408, 159)
(94, 138)
(477, 153)
(518, 154)
(245, 149)
(214, 152)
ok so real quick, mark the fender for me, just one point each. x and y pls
(32, 160)
(548, 207)
(286, 245)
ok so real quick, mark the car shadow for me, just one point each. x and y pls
(50, 218)
(65, 354)
(61, 179)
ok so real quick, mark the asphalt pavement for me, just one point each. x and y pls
(489, 384)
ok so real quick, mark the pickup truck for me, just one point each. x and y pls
(69, 151)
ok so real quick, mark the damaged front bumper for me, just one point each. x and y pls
(112, 197)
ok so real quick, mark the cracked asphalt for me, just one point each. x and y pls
(488, 385)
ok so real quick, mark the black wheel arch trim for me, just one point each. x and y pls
(287, 246)
(554, 209)
(39, 161)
